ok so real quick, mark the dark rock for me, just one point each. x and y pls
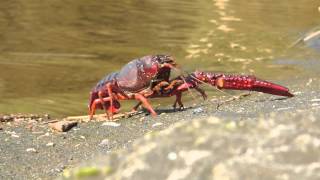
(6, 118)
(63, 126)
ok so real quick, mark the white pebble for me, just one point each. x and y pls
(50, 144)
(112, 124)
(31, 150)
(157, 124)
(172, 156)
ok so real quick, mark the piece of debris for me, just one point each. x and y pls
(63, 126)
(1, 128)
(112, 124)
(50, 144)
(31, 150)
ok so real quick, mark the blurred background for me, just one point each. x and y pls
(53, 52)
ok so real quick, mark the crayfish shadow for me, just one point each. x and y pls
(167, 110)
(272, 99)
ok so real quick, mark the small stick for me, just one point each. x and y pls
(100, 116)
(233, 99)
(51, 121)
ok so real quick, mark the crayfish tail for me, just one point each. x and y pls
(251, 83)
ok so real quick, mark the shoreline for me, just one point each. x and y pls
(38, 152)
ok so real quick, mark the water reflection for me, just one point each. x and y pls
(52, 53)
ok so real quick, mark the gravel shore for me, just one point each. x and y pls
(257, 136)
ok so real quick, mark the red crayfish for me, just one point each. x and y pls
(148, 77)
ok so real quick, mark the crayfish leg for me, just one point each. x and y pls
(99, 102)
(178, 101)
(145, 103)
(109, 89)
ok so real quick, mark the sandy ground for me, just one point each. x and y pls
(256, 136)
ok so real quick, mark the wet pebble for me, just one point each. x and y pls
(198, 110)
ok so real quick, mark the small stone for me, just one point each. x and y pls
(302, 141)
(157, 124)
(193, 156)
(172, 156)
(104, 143)
(47, 116)
(198, 110)
(231, 125)
(220, 171)
(7, 118)
(31, 150)
(177, 174)
(15, 135)
(112, 124)
(29, 127)
(63, 126)
(50, 144)
(141, 119)
(213, 120)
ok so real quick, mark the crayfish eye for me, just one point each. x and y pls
(165, 59)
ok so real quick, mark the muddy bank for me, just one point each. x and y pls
(260, 132)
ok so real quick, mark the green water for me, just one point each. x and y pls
(53, 52)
